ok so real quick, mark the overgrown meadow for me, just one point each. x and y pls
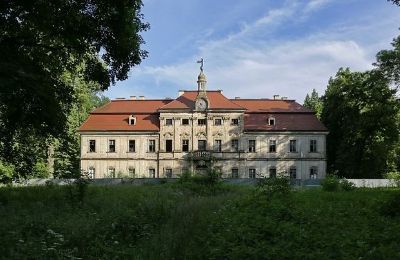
(192, 220)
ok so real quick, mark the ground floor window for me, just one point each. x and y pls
(235, 173)
(252, 173)
(313, 173)
(111, 172)
(168, 173)
(131, 172)
(92, 173)
(293, 173)
(272, 172)
(152, 173)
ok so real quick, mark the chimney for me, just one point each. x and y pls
(237, 97)
(276, 97)
(284, 98)
(120, 98)
(180, 93)
(133, 97)
(141, 97)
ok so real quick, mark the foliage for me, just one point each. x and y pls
(391, 206)
(6, 172)
(388, 62)
(274, 186)
(396, 2)
(346, 185)
(394, 177)
(330, 183)
(314, 102)
(361, 112)
(40, 170)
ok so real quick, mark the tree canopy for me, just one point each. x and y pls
(314, 102)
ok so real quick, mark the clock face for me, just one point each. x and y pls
(201, 104)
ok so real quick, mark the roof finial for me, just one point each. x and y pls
(202, 64)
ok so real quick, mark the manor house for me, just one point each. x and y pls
(202, 130)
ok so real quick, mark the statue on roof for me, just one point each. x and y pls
(202, 64)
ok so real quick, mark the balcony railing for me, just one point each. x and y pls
(201, 155)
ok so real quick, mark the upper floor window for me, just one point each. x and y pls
(217, 145)
(131, 146)
(252, 173)
(313, 173)
(293, 146)
(168, 173)
(92, 146)
(185, 145)
(271, 121)
(202, 145)
(235, 145)
(272, 172)
(235, 121)
(132, 120)
(272, 146)
(218, 121)
(168, 121)
(293, 172)
(168, 145)
(152, 146)
(185, 121)
(313, 146)
(202, 121)
(235, 173)
(252, 146)
(111, 146)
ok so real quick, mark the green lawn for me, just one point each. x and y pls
(174, 221)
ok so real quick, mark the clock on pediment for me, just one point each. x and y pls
(201, 104)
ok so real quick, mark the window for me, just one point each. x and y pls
(235, 173)
(111, 172)
(111, 146)
(92, 146)
(313, 173)
(252, 173)
(292, 173)
(201, 121)
(313, 146)
(185, 145)
(132, 120)
(272, 172)
(131, 146)
(202, 145)
(168, 121)
(131, 172)
(218, 121)
(235, 121)
(217, 145)
(292, 146)
(272, 146)
(271, 121)
(252, 146)
(152, 173)
(152, 146)
(185, 121)
(92, 173)
(168, 173)
(168, 145)
(235, 145)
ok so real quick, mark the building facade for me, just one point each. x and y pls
(202, 130)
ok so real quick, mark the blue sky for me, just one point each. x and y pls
(257, 48)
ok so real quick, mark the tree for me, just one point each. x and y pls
(314, 102)
(361, 113)
(388, 62)
(42, 40)
(396, 2)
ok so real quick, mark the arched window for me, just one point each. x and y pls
(271, 121)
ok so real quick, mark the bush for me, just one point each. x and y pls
(346, 185)
(6, 172)
(391, 207)
(40, 170)
(394, 178)
(330, 183)
(273, 186)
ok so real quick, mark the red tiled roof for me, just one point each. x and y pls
(283, 122)
(270, 105)
(132, 106)
(119, 122)
(215, 98)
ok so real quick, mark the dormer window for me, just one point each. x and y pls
(271, 121)
(132, 120)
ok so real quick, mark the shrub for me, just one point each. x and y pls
(6, 172)
(394, 178)
(273, 186)
(330, 183)
(346, 185)
(40, 170)
(391, 207)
